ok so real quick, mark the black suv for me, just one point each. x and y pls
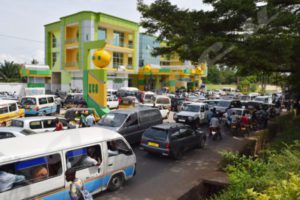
(223, 105)
(172, 139)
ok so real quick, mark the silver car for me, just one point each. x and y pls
(11, 132)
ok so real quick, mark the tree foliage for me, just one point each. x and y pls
(256, 37)
(9, 71)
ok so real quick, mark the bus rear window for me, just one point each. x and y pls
(28, 101)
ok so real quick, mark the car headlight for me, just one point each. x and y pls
(190, 118)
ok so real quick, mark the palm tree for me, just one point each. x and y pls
(9, 71)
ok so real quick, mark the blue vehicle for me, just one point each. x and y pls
(40, 105)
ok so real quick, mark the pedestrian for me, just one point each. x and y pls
(58, 125)
(90, 120)
(82, 122)
(77, 189)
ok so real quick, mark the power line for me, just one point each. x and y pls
(20, 38)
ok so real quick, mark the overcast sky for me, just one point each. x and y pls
(22, 21)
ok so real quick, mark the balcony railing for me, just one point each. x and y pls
(71, 64)
(122, 44)
(71, 41)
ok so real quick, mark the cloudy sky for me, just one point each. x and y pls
(22, 21)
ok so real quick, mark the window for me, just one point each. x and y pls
(130, 41)
(84, 157)
(28, 101)
(132, 120)
(117, 59)
(101, 34)
(49, 123)
(54, 41)
(31, 171)
(12, 107)
(35, 125)
(118, 39)
(156, 134)
(4, 110)
(112, 119)
(50, 100)
(116, 147)
(54, 58)
(4, 135)
(149, 115)
(43, 101)
(17, 123)
(129, 62)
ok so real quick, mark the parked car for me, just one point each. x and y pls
(39, 105)
(112, 102)
(9, 110)
(39, 124)
(128, 102)
(11, 132)
(224, 105)
(72, 115)
(193, 114)
(74, 99)
(131, 123)
(172, 139)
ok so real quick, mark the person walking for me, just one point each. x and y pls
(77, 189)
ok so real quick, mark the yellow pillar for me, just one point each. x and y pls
(172, 83)
(141, 82)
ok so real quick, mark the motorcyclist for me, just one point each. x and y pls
(215, 126)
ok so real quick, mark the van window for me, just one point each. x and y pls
(149, 115)
(132, 120)
(35, 125)
(50, 99)
(43, 101)
(30, 171)
(3, 110)
(4, 135)
(116, 147)
(17, 123)
(84, 157)
(28, 101)
(49, 123)
(12, 107)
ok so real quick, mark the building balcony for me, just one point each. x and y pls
(71, 65)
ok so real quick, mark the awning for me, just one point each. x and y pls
(35, 71)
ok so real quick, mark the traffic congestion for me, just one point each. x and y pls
(60, 140)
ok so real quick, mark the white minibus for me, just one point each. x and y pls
(102, 159)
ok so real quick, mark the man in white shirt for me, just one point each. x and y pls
(90, 120)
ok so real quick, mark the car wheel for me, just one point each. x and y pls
(201, 143)
(116, 182)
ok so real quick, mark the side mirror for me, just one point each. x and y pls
(125, 151)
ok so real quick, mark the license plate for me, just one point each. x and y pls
(153, 144)
(181, 120)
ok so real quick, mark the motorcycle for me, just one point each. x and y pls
(215, 133)
(244, 130)
(234, 129)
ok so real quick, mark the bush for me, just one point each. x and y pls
(274, 175)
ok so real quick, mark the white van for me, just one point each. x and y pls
(102, 159)
(263, 99)
(39, 105)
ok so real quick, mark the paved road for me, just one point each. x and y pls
(163, 178)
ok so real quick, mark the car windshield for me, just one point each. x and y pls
(113, 119)
(163, 101)
(223, 104)
(191, 108)
(17, 123)
(156, 134)
(28, 101)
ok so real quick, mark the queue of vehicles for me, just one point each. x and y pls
(101, 155)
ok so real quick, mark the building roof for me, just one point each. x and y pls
(46, 143)
(91, 12)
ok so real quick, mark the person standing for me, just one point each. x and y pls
(90, 120)
(58, 125)
(77, 189)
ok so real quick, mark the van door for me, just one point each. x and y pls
(52, 104)
(49, 125)
(88, 163)
(36, 126)
(119, 157)
(43, 106)
(131, 129)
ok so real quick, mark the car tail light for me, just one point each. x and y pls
(168, 147)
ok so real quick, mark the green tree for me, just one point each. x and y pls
(9, 72)
(242, 34)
